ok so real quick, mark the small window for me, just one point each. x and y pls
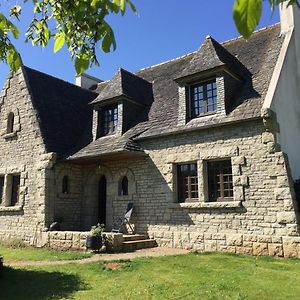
(65, 185)
(10, 122)
(203, 98)
(124, 187)
(187, 182)
(1, 188)
(109, 120)
(15, 190)
(220, 187)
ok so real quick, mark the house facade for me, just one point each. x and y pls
(206, 146)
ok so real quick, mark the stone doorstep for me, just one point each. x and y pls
(134, 242)
(134, 237)
(139, 244)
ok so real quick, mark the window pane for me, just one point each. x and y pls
(220, 186)
(15, 188)
(202, 96)
(187, 181)
(109, 119)
(1, 188)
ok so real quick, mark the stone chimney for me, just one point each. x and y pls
(86, 81)
(289, 16)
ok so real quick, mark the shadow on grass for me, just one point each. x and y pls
(37, 285)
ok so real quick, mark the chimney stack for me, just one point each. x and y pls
(86, 81)
(289, 16)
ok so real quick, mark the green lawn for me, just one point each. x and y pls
(192, 276)
(27, 253)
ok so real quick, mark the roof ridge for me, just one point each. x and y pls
(59, 79)
(133, 74)
(191, 53)
(165, 62)
(255, 32)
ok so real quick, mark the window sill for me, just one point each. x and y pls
(212, 205)
(203, 115)
(10, 135)
(11, 208)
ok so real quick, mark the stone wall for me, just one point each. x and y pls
(75, 240)
(261, 219)
(22, 153)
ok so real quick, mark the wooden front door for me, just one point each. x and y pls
(102, 200)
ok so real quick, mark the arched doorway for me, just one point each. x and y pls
(102, 200)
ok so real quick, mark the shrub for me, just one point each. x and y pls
(97, 230)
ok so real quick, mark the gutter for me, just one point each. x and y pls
(192, 129)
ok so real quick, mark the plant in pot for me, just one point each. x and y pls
(94, 240)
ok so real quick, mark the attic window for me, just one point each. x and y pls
(109, 120)
(65, 185)
(10, 123)
(203, 98)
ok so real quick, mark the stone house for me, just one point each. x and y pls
(206, 146)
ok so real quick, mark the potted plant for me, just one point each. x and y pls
(94, 241)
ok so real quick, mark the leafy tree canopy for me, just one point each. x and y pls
(247, 14)
(81, 26)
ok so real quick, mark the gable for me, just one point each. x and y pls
(20, 134)
(63, 112)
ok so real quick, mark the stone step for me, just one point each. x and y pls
(140, 244)
(134, 237)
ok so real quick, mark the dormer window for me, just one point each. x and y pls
(204, 98)
(109, 120)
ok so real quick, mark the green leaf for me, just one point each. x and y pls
(123, 6)
(94, 3)
(81, 64)
(132, 7)
(13, 58)
(246, 14)
(45, 36)
(59, 41)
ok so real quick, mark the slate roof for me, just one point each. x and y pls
(259, 55)
(212, 55)
(62, 106)
(107, 145)
(127, 85)
(62, 110)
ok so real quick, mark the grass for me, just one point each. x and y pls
(16, 251)
(192, 276)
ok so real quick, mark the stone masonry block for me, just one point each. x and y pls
(268, 137)
(291, 247)
(240, 180)
(238, 160)
(234, 240)
(275, 250)
(282, 193)
(260, 249)
(286, 217)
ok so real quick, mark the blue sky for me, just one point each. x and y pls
(165, 29)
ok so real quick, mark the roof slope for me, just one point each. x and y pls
(258, 56)
(212, 55)
(126, 84)
(107, 145)
(62, 110)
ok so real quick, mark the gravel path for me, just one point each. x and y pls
(150, 252)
